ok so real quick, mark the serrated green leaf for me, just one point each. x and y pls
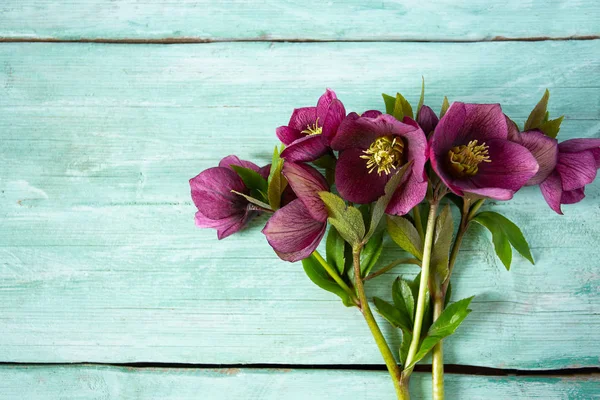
(536, 117)
(500, 240)
(254, 201)
(422, 98)
(371, 252)
(276, 182)
(404, 300)
(444, 326)
(551, 127)
(346, 219)
(391, 314)
(445, 107)
(442, 240)
(251, 178)
(334, 250)
(404, 233)
(405, 345)
(390, 102)
(321, 278)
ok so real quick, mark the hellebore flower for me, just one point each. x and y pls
(372, 147)
(577, 164)
(471, 153)
(295, 231)
(310, 129)
(427, 120)
(218, 207)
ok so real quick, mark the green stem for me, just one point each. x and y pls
(336, 277)
(392, 265)
(437, 360)
(423, 285)
(418, 222)
(388, 357)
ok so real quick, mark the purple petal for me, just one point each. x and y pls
(323, 104)
(226, 226)
(309, 148)
(334, 118)
(427, 119)
(288, 135)
(211, 192)
(371, 114)
(577, 145)
(542, 147)
(265, 171)
(576, 169)
(572, 196)
(307, 182)
(228, 161)
(353, 180)
(410, 192)
(492, 193)
(484, 122)
(303, 118)
(552, 191)
(447, 132)
(438, 163)
(416, 147)
(293, 233)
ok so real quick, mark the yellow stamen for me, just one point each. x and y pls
(314, 129)
(384, 154)
(465, 160)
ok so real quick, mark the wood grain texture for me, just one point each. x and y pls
(109, 383)
(293, 19)
(99, 257)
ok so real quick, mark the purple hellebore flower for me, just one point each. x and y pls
(295, 231)
(372, 147)
(470, 152)
(309, 132)
(218, 207)
(427, 119)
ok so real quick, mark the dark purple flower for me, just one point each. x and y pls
(310, 129)
(471, 153)
(372, 147)
(427, 120)
(577, 164)
(295, 231)
(218, 207)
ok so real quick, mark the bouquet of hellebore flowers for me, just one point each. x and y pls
(378, 173)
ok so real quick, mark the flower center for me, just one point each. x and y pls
(314, 129)
(465, 160)
(384, 154)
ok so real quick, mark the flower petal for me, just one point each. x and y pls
(307, 182)
(576, 169)
(265, 171)
(427, 119)
(288, 135)
(416, 147)
(573, 196)
(492, 193)
(353, 180)
(211, 192)
(303, 118)
(228, 161)
(552, 191)
(410, 192)
(447, 132)
(308, 148)
(334, 118)
(323, 104)
(371, 114)
(293, 233)
(226, 226)
(484, 122)
(543, 148)
(577, 145)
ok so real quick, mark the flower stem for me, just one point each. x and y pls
(388, 357)
(392, 265)
(336, 277)
(423, 285)
(437, 360)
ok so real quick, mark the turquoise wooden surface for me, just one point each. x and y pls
(99, 258)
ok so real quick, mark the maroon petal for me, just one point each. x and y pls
(427, 119)
(542, 147)
(350, 134)
(577, 145)
(448, 130)
(572, 196)
(228, 161)
(303, 118)
(552, 191)
(353, 180)
(484, 122)
(371, 114)
(293, 233)
(492, 193)
(331, 123)
(307, 182)
(211, 192)
(323, 104)
(410, 192)
(416, 149)
(226, 226)
(308, 148)
(288, 135)
(265, 171)
(438, 165)
(576, 169)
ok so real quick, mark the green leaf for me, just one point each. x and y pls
(445, 106)
(334, 250)
(404, 299)
(444, 326)
(254, 201)
(276, 182)
(347, 220)
(448, 294)
(390, 102)
(321, 278)
(392, 314)
(370, 253)
(504, 231)
(422, 98)
(442, 239)
(551, 127)
(405, 345)
(251, 178)
(404, 233)
(383, 201)
(402, 108)
(536, 117)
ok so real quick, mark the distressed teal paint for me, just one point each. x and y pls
(293, 19)
(99, 257)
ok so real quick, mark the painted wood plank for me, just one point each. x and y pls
(100, 260)
(108, 383)
(293, 19)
